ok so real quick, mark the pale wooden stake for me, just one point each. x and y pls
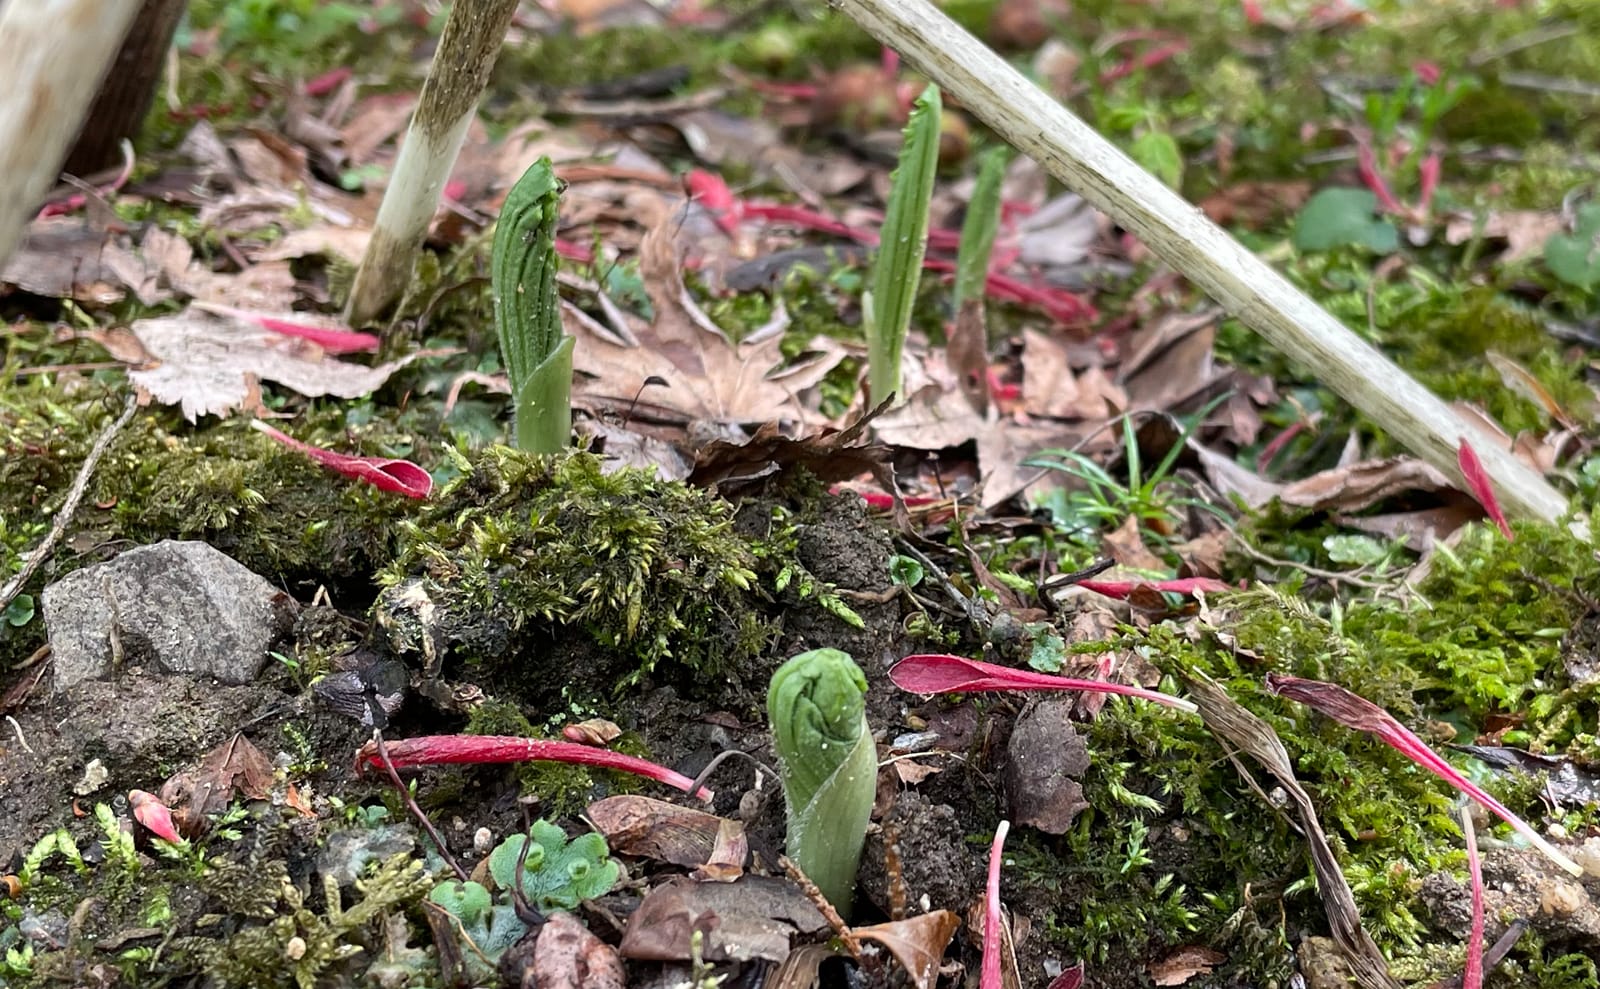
(1181, 235)
(53, 54)
(445, 108)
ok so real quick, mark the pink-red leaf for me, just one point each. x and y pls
(434, 750)
(154, 815)
(936, 673)
(334, 339)
(396, 476)
(1121, 589)
(989, 977)
(1360, 714)
(1482, 490)
(1472, 975)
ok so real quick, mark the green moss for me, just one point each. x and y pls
(649, 570)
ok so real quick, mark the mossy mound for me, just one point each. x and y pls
(521, 550)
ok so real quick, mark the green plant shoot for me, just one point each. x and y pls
(979, 228)
(527, 315)
(886, 308)
(817, 708)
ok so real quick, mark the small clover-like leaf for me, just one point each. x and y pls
(1344, 218)
(557, 874)
(468, 902)
(1575, 258)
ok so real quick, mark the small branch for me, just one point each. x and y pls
(445, 109)
(41, 552)
(1032, 121)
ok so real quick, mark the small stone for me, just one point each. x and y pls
(295, 949)
(1562, 899)
(483, 841)
(94, 777)
(175, 607)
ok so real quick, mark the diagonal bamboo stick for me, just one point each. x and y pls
(1176, 230)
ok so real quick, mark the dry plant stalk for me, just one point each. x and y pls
(1072, 151)
(445, 108)
(53, 54)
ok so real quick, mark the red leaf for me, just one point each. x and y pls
(713, 193)
(434, 750)
(333, 339)
(1072, 978)
(1120, 589)
(395, 476)
(154, 815)
(1356, 712)
(933, 673)
(989, 977)
(1482, 490)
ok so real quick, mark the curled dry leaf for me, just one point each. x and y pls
(235, 766)
(568, 956)
(753, 917)
(1184, 964)
(654, 829)
(917, 943)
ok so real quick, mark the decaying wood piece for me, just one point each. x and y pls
(445, 108)
(126, 93)
(53, 54)
(1181, 235)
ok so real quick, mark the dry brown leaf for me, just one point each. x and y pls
(1255, 204)
(727, 858)
(1049, 387)
(1231, 480)
(1524, 230)
(567, 955)
(63, 257)
(917, 943)
(235, 765)
(707, 377)
(1420, 530)
(212, 365)
(1170, 362)
(1184, 964)
(649, 828)
(1363, 484)
(753, 917)
(1126, 546)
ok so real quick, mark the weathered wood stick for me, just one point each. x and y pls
(53, 54)
(1181, 235)
(449, 99)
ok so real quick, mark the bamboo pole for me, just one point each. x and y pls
(53, 54)
(445, 108)
(1180, 234)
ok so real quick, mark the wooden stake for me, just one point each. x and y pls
(1181, 235)
(445, 108)
(53, 54)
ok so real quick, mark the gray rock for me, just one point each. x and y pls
(176, 607)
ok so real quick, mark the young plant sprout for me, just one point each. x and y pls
(886, 309)
(979, 228)
(527, 315)
(989, 976)
(816, 705)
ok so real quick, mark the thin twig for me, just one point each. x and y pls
(40, 553)
(22, 739)
(411, 805)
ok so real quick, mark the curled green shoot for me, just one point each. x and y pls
(898, 267)
(816, 704)
(527, 314)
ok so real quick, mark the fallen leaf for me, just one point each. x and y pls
(1255, 205)
(1125, 545)
(1363, 484)
(235, 766)
(1524, 230)
(753, 917)
(1050, 388)
(1184, 964)
(384, 473)
(63, 257)
(917, 943)
(728, 855)
(706, 376)
(212, 366)
(645, 827)
(567, 955)
(828, 454)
